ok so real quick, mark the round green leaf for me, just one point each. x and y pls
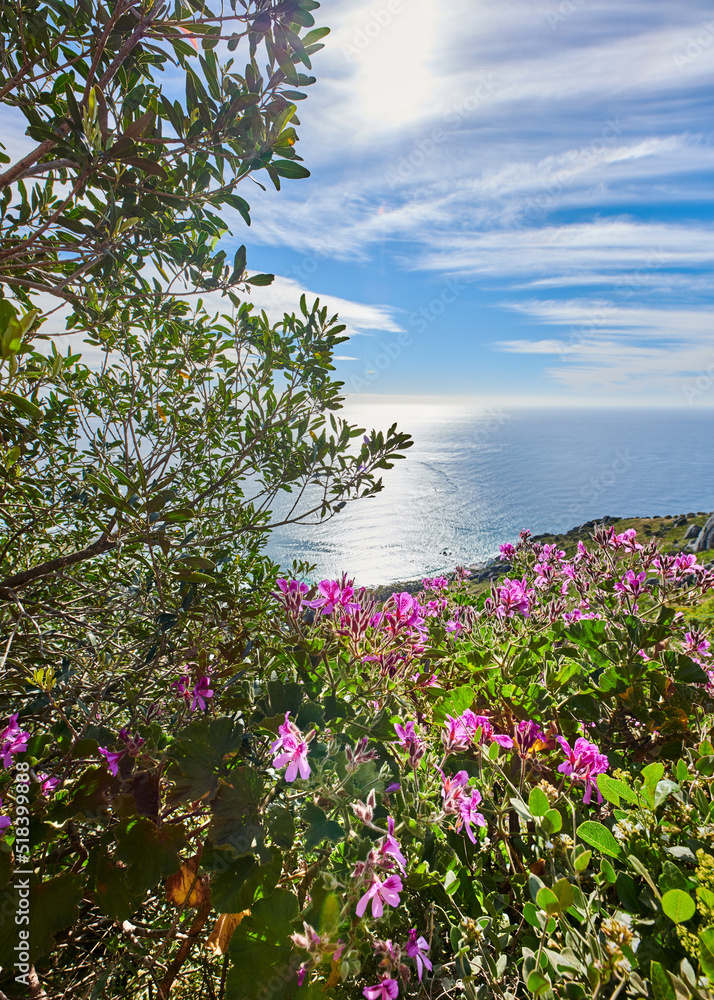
(678, 905)
(538, 802)
(582, 861)
(538, 983)
(599, 837)
(547, 900)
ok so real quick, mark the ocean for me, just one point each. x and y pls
(475, 477)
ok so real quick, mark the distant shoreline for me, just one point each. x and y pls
(671, 527)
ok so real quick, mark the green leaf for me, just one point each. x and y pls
(235, 883)
(24, 406)
(678, 905)
(455, 703)
(661, 983)
(599, 837)
(538, 983)
(538, 802)
(552, 821)
(89, 796)
(564, 891)
(613, 790)
(235, 816)
(705, 765)
(290, 169)
(281, 826)
(261, 279)
(651, 775)
(672, 878)
(320, 827)
(664, 789)
(706, 952)
(582, 861)
(548, 901)
(276, 912)
(198, 757)
(149, 851)
(608, 871)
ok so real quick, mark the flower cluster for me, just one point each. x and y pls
(195, 696)
(584, 763)
(132, 748)
(291, 749)
(13, 740)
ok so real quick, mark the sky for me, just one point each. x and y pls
(508, 200)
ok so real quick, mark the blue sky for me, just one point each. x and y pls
(509, 200)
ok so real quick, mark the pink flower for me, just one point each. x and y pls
(295, 756)
(12, 740)
(507, 552)
(684, 564)
(333, 595)
(133, 745)
(410, 741)
(406, 733)
(388, 989)
(473, 723)
(5, 822)
(201, 692)
(393, 787)
(528, 734)
(695, 643)
(380, 893)
(294, 750)
(626, 541)
(584, 763)
(113, 758)
(632, 584)
(512, 597)
(390, 846)
(291, 595)
(454, 626)
(182, 687)
(452, 790)
(47, 784)
(469, 814)
(417, 947)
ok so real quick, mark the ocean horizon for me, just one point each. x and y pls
(476, 476)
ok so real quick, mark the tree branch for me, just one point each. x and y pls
(103, 544)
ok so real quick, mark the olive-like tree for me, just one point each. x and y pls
(137, 493)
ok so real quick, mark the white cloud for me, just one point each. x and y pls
(615, 348)
(284, 296)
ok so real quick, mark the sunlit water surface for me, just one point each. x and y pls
(474, 478)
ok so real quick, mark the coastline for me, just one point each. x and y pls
(671, 527)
